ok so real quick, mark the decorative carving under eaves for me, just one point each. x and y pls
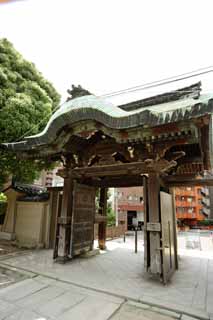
(164, 164)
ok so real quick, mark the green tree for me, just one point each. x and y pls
(110, 215)
(26, 103)
(110, 212)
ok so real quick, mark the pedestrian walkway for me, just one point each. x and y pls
(117, 273)
(40, 298)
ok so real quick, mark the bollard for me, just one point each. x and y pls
(136, 239)
(124, 237)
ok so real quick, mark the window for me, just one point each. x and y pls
(120, 194)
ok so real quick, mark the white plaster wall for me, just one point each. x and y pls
(30, 224)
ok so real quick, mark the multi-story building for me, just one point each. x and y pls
(189, 205)
(129, 206)
(49, 179)
(207, 201)
(189, 208)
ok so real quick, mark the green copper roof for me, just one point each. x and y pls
(90, 107)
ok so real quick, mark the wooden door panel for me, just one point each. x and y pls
(83, 215)
(168, 251)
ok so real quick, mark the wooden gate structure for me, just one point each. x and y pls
(158, 142)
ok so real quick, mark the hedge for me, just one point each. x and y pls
(207, 222)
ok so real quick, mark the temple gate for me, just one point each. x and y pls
(158, 143)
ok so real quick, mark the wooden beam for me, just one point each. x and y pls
(114, 182)
(133, 168)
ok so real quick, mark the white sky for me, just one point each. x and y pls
(110, 45)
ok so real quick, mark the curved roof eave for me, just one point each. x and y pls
(95, 108)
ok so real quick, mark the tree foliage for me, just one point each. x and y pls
(110, 215)
(26, 103)
(111, 219)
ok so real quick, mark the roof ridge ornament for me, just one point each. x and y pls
(76, 92)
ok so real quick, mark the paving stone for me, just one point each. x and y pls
(25, 315)
(185, 317)
(129, 312)
(45, 280)
(20, 290)
(91, 308)
(199, 297)
(194, 312)
(112, 272)
(61, 304)
(97, 294)
(139, 305)
(40, 297)
(6, 309)
(171, 314)
(157, 302)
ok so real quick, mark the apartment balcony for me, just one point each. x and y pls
(205, 191)
(206, 202)
(190, 216)
(186, 204)
(185, 193)
(206, 211)
(186, 215)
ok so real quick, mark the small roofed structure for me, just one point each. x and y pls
(27, 207)
(157, 142)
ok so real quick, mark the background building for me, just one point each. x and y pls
(189, 207)
(130, 206)
(50, 179)
(192, 205)
(207, 201)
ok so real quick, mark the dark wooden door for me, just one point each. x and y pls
(83, 216)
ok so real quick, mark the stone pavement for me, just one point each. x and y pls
(119, 273)
(41, 298)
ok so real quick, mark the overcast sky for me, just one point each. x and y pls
(108, 45)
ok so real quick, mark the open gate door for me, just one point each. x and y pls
(168, 236)
(83, 215)
(160, 246)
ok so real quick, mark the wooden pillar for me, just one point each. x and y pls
(146, 219)
(155, 267)
(102, 225)
(54, 203)
(64, 220)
